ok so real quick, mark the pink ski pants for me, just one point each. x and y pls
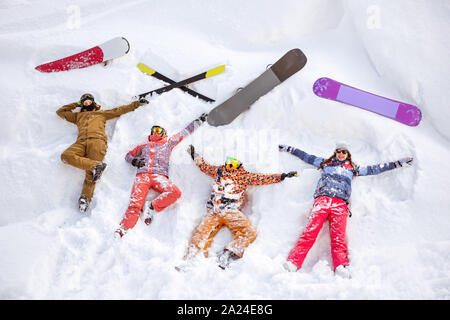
(335, 210)
(144, 181)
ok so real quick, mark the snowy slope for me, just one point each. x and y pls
(398, 236)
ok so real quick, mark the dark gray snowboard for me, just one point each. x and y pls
(293, 61)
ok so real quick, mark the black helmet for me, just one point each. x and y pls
(87, 96)
(92, 106)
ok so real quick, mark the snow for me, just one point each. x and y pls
(398, 235)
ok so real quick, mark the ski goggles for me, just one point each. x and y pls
(159, 131)
(233, 162)
(343, 151)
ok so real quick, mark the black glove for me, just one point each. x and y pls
(143, 101)
(202, 118)
(288, 175)
(284, 148)
(191, 151)
(138, 162)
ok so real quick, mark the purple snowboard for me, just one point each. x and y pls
(402, 112)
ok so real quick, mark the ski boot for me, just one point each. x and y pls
(225, 257)
(83, 204)
(343, 272)
(98, 170)
(148, 212)
(289, 266)
(184, 266)
(119, 233)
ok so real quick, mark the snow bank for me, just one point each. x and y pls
(405, 42)
(398, 235)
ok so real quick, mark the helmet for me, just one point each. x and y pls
(92, 106)
(87, 96)
(232, 163)
(158, 130)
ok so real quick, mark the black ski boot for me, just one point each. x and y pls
(98, 170)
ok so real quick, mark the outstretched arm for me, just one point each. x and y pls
(382, 167)
(262, 179)
(308, 158)
(206, 168)
(258, 179)
(178, 137)
(117, 112)
(66, 112)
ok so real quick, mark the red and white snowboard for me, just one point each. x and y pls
(111, 49)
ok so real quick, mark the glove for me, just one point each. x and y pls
(403, 161)
(284, 148)
(288, 175)
(138, 162)
(191, 151)
(143, 101)
(201, 119)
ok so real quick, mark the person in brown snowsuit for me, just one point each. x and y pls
(89, 150)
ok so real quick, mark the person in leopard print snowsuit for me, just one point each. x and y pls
(224, 207)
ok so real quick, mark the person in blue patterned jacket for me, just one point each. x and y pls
(331, 202)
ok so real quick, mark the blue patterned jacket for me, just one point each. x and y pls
(336, 178)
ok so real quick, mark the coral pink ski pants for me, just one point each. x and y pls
(144, 181)
(335, 210)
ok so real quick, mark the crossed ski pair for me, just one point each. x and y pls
(181, 84)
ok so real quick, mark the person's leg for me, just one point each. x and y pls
(95, 153)
(138, 194)
(76, 156)
(317, 217)
(169, 192)
(203, 235)
(243, 231)
(338, 224)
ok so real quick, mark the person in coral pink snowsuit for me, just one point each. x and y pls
(331, 199)
(152, 162)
